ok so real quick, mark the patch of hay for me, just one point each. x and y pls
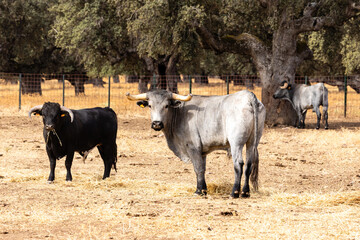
(325, 200)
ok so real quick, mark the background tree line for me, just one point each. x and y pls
(275, 39)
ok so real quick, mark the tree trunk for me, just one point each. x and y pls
(143, 84)
(202, 79)
(79, 87)
(31, 83)
(165, 71)
(78, 82)
(171, 73)
(277, 111)
(116, 79)
(131, 79)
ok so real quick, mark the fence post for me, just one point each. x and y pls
(19, 91)
(190, 87)
(227, 84)
(109, 93)
(345, 95)
(306, 80)
(63, 78)
(154, 82)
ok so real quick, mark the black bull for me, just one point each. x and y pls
(68, 131)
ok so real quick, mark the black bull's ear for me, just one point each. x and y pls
(142, 103)
(37, 113)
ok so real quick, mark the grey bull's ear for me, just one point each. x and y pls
(143, 104)
(175, 103)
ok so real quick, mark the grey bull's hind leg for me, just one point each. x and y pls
(236, 153)
(303, 118)
(318, 114)
(325, 118)
(248, 167)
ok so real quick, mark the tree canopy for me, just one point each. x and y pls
(26, 44)
(109, 36)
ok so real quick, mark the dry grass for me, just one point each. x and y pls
(309, 180)
(309, 188)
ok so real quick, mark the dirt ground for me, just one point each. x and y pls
(309, 188)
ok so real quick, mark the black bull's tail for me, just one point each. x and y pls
(115, 158)
(255, 160)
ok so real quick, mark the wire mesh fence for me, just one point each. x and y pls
(78, 91)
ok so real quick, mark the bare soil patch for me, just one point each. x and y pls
(309, 188)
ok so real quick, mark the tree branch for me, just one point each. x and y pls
(303, 53)
(355, 7)
(207, 40)
(310, 9)
(307, 24)
(258, 50)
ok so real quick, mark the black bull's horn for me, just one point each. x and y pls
(174, 96)
(34, 109)
(285, 85)
(64, 109)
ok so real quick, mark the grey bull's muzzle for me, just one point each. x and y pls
(157, 125)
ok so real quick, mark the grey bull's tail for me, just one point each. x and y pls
(255, 160)
(325, 103)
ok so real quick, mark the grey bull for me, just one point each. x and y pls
(303, 97)
(194, 126)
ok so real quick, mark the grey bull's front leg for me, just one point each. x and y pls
(199, 164)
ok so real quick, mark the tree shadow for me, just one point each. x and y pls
(335, 125)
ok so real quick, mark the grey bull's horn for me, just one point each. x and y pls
(181, 97)
(38, 107)
(65, 109)
(141, 96)
(285, 85)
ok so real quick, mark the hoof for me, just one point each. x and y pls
(317, 128)
(69, 180)
(202, 193)
(326, 128)
(245, 194)
(235, 194)
(49, 182)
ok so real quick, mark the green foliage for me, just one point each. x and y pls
(23, 32)
(91, 31)
(351, 47)
(25, 45)
(326, 48)
(107, 37)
